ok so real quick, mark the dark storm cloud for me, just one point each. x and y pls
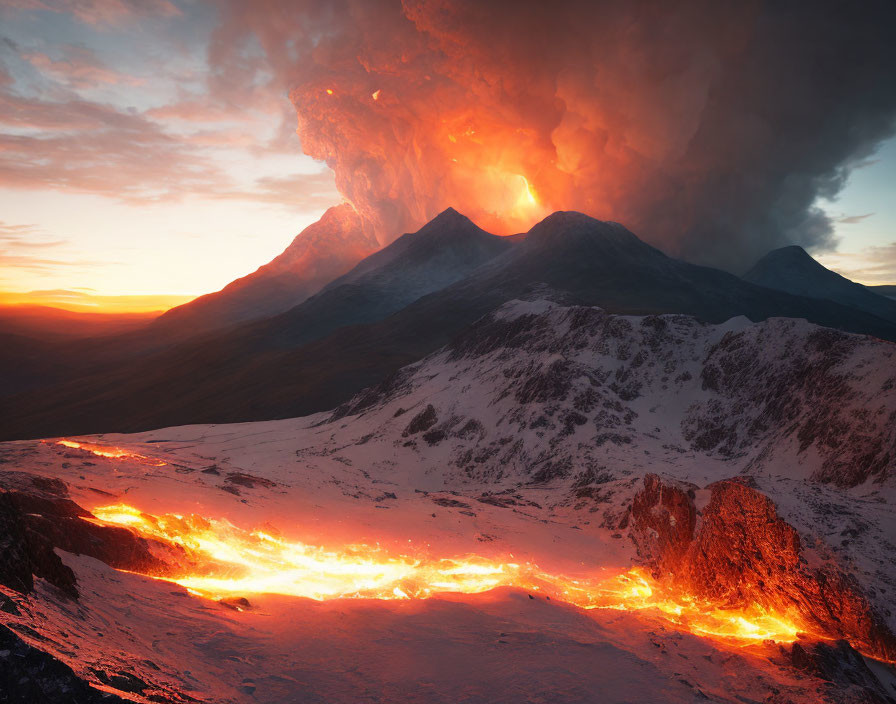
(709, 128)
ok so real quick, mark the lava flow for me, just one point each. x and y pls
(225, 561)
(112, 452)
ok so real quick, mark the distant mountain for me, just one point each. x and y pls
(793, 270)
(253, 372)
(889, 290)
(318, 254)
(49, 323)
(43, 345)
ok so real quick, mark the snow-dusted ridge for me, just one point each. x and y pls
(529, 435)
(563, 392)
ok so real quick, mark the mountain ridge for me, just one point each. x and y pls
(793, 270)
(241, 375)
(322, 251)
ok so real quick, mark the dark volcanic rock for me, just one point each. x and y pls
(422, 421)
(839, 664)
(250, 481)
(742, 552)
(663, 519)
(25, 553)
(37, 516)
(29, 676)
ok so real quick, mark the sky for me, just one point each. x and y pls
(122, 172)
(149, 152)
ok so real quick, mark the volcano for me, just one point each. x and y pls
(355, 333)
(447, 249)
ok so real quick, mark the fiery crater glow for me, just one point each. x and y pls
(222, 560)
(111, 452)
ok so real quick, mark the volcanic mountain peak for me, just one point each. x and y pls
(793, 270)
(322, 251)
(569, 226)
(445, 250)
(339, 225)
(447, 247)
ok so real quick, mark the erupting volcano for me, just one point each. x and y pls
(526, 386)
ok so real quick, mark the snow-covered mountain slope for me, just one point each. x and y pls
(282, 367)
(539, 391)
(559, 435)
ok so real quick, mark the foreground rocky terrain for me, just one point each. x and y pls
(743, 466)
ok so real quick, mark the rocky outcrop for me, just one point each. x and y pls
(25, 553)
(29, 675)
(37, 516)
(574, 383)
(664, 518)
(807, 392)
(843, 669)
(737, 551)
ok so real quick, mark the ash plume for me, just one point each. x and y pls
(710, 129)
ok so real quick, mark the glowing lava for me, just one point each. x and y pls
(112, 452)
(224, 561)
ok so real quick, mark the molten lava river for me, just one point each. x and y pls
(215, 559)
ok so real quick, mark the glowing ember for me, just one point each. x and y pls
(224, 561)
(113, 452)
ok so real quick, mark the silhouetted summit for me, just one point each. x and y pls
(395, 307)
(792, 269)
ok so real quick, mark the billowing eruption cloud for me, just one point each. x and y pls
(708, 128)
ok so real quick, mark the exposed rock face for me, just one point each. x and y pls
(37, 516)
(664, 521)
(572, 384)
(742, 552)
(28, 676)
(840, 665)
(25, 553)
(806, 392)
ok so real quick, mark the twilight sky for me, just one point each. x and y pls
(149, 147)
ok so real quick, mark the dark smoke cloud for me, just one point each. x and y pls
(708, 128)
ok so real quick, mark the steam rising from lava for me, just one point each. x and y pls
(708, 128)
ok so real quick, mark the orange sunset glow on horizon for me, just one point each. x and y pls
(79, 302)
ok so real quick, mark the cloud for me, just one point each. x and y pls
(871, 266)
(41, 264)
(195, 110)
(93, 148)
(853, 219)
(99, 12)
(23, 236)
(299, 191)
(196, 145)
(711, 129)
(82, 146)
(78, 68)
